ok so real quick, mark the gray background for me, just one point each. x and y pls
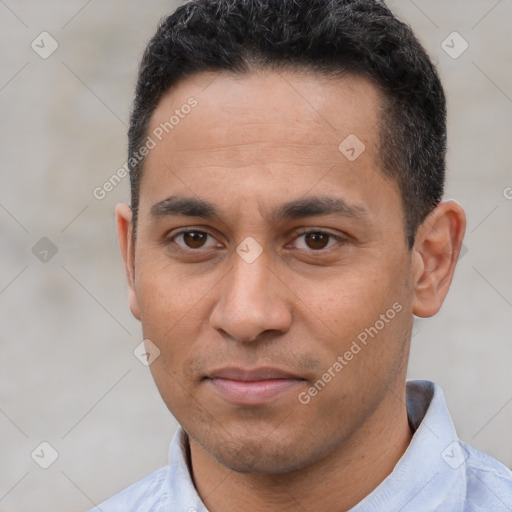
(68, 375)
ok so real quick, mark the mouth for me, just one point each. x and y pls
(257, 386)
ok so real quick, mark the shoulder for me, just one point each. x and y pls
(146, 495)
(489, 482)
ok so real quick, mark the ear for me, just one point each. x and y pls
(435, 253)
(126, 243)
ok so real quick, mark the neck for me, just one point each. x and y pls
(337, 482)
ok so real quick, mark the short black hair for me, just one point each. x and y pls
(328, 37)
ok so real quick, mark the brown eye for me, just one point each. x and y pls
(194, 239)
(316, 240)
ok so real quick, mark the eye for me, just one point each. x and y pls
(194, 239)
(316, 240)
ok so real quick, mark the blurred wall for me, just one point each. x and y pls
(68, 375)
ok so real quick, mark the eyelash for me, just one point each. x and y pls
(300, 232)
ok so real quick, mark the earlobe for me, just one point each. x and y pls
(124, 233)
(435, 255)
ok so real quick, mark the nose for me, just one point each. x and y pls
(252, 300)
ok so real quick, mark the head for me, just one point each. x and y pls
(288, 219)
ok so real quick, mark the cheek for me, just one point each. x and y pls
(174, 309)
(165, 293)
(347, 301)
(359, 314)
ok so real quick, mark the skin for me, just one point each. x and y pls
(253, 142)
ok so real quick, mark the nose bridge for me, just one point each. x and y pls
(250, 281)
(252, 300)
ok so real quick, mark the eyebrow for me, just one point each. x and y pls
(296, 209)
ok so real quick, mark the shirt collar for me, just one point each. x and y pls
(429, 473)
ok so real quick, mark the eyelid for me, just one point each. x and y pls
(312, 229)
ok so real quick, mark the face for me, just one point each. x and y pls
(270, 266)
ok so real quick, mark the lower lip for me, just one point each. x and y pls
(253, 392)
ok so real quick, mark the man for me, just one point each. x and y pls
(287, 166)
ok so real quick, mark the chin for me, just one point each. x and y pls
(259, 456)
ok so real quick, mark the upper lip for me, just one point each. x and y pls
(248, 375)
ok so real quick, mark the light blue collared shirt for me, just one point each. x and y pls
(438, 472)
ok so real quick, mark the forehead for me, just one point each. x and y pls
(263, 134)
(308, 107)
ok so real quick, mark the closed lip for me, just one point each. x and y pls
(252, 386)
(252, 375)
